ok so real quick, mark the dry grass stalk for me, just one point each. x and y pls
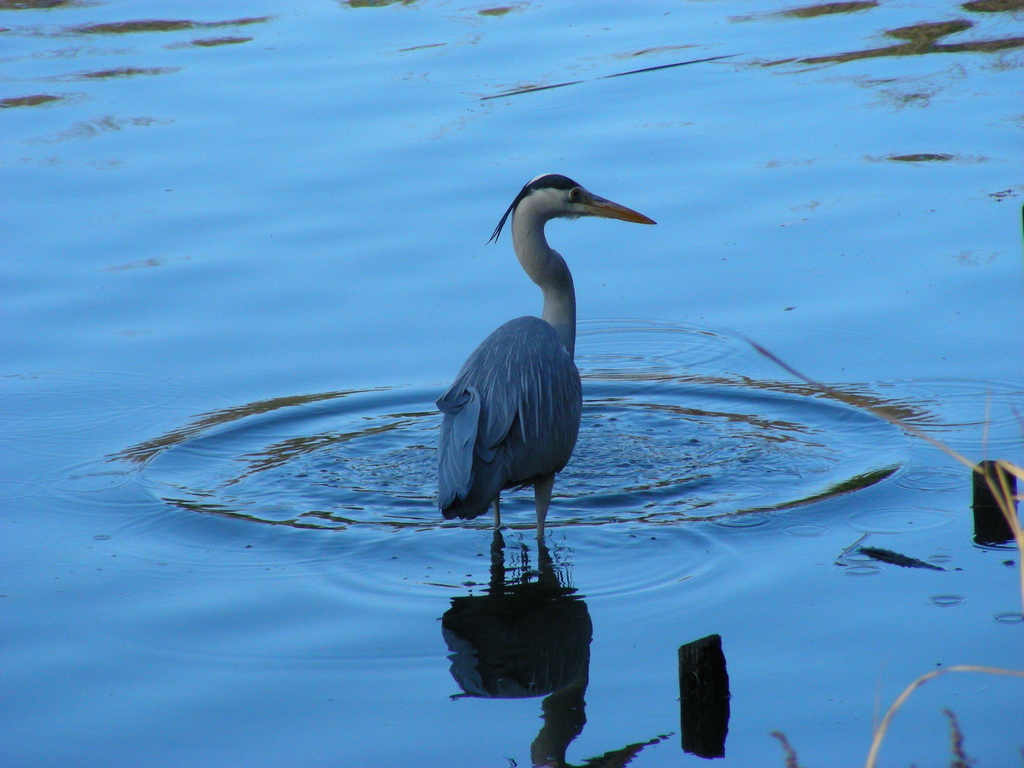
(957, 742)
(791, 761)
(876, 742)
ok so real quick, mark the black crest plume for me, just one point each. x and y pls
(547, 181)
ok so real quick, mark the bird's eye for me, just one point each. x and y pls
(574, 193)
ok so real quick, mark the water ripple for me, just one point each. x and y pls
(652, 450)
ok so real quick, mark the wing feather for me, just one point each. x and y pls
(511, 415)
(458, 435)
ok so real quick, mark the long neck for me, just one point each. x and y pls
(548, 270)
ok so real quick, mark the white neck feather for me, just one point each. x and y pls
(546, 268)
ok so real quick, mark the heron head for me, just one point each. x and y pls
(555, 196)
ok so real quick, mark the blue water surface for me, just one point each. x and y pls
(244, 248)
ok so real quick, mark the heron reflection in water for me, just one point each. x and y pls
(512, 416)
(529, 636)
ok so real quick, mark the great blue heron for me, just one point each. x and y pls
(512, 416)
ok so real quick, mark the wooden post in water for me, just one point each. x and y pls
(703, 697)
(990, 523)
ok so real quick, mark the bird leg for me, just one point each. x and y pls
(497, 513)
(542, 498)
(497, 563)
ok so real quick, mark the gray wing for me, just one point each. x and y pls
(511, 416)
